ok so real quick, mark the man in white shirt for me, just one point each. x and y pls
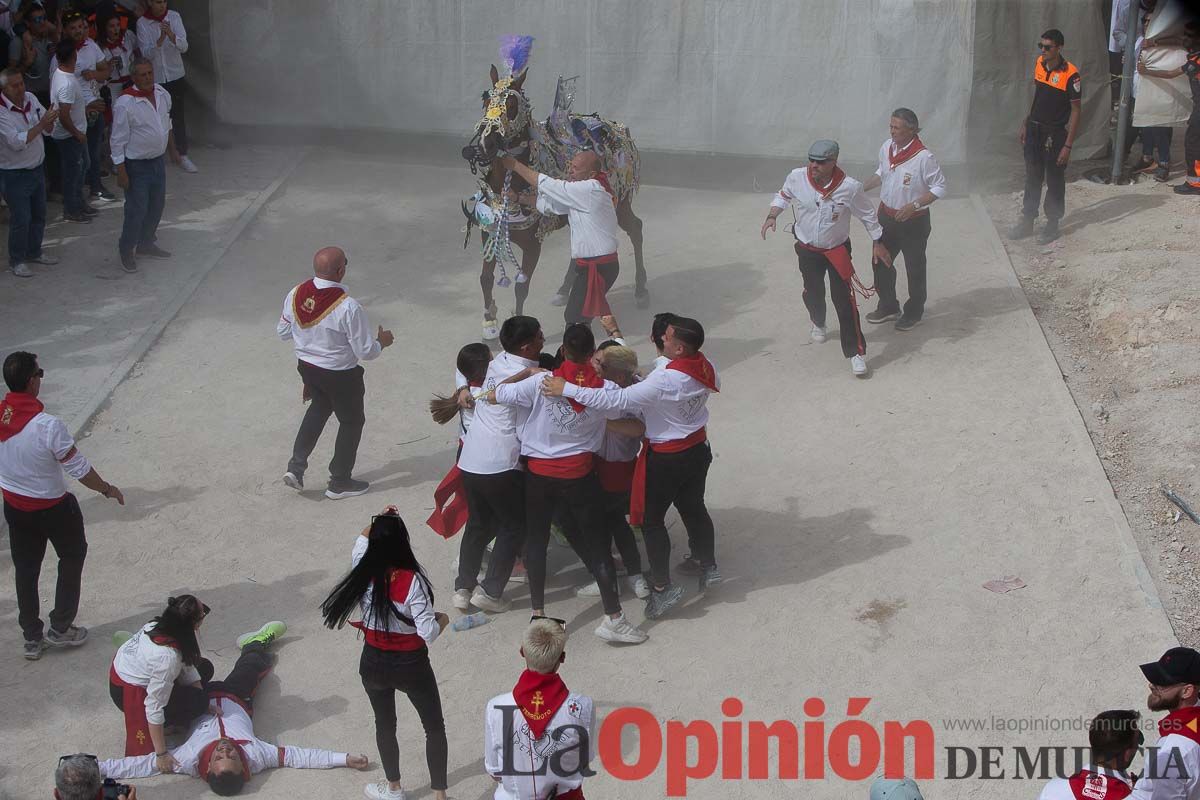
(590, 204)
(221, 748)
(141, 136)
(330, 333)
(539, 738)
(92, 69)
(23, 121)
(1115, 737)
(163, 39)
(1174, 771)
(70, 132)
(911, 181)
(35, 450)
(823, 198)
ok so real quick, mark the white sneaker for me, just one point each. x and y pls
(818, 334)
(620, 630)
(187, 165)
(640, 588)
(48, 260)
(21, 271)
(491, 330)
(559, 299)
(383, 791)
(462, 599)
(485, 602)
(859, 365)
(591, 590)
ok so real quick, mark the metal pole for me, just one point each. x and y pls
(1123, 111)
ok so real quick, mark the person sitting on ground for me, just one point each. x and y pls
(78, 778)
(1115, 737)
(550, 731)
(222, 749)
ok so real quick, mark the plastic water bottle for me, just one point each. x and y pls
(470, 621)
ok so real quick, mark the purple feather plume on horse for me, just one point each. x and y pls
(514, 52)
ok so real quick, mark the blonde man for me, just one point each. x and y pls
(539, 737)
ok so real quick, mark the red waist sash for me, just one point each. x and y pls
(637, 494)
(888, 211)
(567, 467)
(137, 728)
(615, 476)
(23, 503)
(450, 505)
(595, 302)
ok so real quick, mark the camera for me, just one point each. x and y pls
(113, 790)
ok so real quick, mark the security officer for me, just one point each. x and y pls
(1047, 135)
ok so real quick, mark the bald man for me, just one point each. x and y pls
(591, 208)
(329, 331)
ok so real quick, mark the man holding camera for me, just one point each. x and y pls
(78, 778)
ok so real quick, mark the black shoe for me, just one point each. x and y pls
(152, 251)
(880, 315)
(711, 577)
(907, 323)
(1187, 187)
(104, 194)
(661, 601)
(128, 262)
(90, 211)
(690, 566)
(1049, 233)
(81, 218)
(1023, 229)
(347, 488)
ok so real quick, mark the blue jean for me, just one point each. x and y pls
(25, 192)
(95, 138)
(144, 201)
(72, 153)
(1156, 144)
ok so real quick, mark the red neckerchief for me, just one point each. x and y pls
(449, 505)
(150, 95)
(164, 640)
(582, 375)
(834, 182)
(698, 367)
(602, 179)
(1088, 785)
(310, 305)
(120, 43)
(205, 757)
(909, 150)
(539, 697)
(148, 15)
(24, 112)
(80, 45)
(15, 412)
(1182, 721)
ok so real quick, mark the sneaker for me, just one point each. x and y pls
(347, 488)
(81, 219)
(690, 566)
(640, 588)
(121, 637)
(34, 649)
(104, 194)
(1162, 173)
(21, 271)
(384, 791)
(620, 630)
(591, 590)
(1023, 229)
(187, 165)
(153, 251)
(559, 299)
(128, 262)
(461, 600)
(662, 601)
(72, 637)
(1049, 233)
(1187, 187)
(907, 323)
(858, 365)
(711, 577)
(485, 602)
(264, 635)
(42, 258)
(818, 334)
(879, 316)
(294, 481)
(491, 330)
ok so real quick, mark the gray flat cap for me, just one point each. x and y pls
(823, 150)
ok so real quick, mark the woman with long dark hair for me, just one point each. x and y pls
(387, 585)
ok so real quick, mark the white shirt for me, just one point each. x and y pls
(415, 605)
(825, 222)
(1118, 26)
(32, 462)
(122, 61)
(1167, 778)
(15, 151)
(339, 341)
(86, 58)
(617, 447)
(590, 212)
(233, 723)
(491, 445)
(910, 180)
(1060, 788)
(66, 88)
(660, 362)
(167, 58)
(553, 428)
(155, 667)
(529, 755)
(141, 129)
(674, 405)
(465, 415)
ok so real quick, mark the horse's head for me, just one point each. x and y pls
(505, 121)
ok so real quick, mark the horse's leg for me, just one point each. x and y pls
(632, 224)
(487, 280)
(531, 251)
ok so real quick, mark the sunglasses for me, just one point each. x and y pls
(1045, 47)
(536, 617)
(77, 755)
(41, 373)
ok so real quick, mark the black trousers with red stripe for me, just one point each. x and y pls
(813, 267)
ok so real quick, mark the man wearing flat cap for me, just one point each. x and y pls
(823, 198)
(1174, 774)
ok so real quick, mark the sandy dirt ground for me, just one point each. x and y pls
(857, 519)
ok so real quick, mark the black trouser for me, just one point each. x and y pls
(813, 266)
(186, 703)
(614, 506)
(1042, 146)
(383, 674)
(581, 499)
(28, 532)
(1191, 148)
(1116, 64)
(495, 510)
(574, 311)
(677, 479)
(908, 237)
(248, 671)
(332, 391)
(178, 91)
(95, 137)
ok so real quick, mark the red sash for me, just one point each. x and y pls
(24, 112)
(1184, 722)
(602, 179)
(637, 494)
(574, 794)
(834, 182)
(1087, 785)
(595, 302)
(698, 367)
(898, 157)
(567, 467)
(582, 375)
(615, 477)
(137, 729)
(449, 515)
(150, 95)
(539, 697)
(888, 211)
(310, 305)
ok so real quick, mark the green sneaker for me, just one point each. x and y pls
(264, 635)
(121, 637)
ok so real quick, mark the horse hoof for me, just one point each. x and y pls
(642, 299)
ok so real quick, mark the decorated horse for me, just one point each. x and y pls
(507, 128)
